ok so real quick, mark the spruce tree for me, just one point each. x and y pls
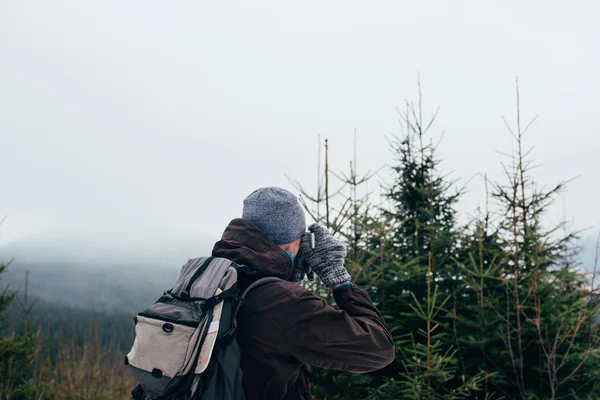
(422, 216)
(421, 279)
(17, 355)
(533, 329)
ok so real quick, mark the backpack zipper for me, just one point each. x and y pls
(191, 324)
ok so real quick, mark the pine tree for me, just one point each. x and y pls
(423, 219)
(17, 355)
(430, 368)
(474, 323)
(421, 252)
(534, 327)
(495, 309)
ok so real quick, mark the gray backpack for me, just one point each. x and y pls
(185, 345)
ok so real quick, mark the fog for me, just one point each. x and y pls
(144, 124)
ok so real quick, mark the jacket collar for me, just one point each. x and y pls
(244, 243)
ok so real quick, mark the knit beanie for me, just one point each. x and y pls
(277, 213)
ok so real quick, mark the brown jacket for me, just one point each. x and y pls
(283, 326)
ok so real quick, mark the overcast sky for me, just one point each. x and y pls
(135, 119)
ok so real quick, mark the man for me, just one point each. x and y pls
(283, 326)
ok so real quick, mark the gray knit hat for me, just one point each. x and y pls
(277, 213)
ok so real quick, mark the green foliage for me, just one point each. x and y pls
(6, 297)
(60, 324)
(493, 309)
(430, 368)
(332, 384)
(53, 352)
(17, 354)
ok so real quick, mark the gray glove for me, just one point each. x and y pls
(302, 270)
(326, 259)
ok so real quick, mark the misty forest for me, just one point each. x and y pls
(494, 304)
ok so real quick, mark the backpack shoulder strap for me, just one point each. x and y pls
(259, 282)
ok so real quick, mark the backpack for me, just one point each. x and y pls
(185, 344)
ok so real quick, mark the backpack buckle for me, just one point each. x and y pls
(210, 303)
(138, 393)
(226, 339)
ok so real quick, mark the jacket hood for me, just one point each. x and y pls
(244, 243)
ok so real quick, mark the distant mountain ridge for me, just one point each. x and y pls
(99, 276)
(108, 277)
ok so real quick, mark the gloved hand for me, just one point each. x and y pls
(326, 259)
(301, 270)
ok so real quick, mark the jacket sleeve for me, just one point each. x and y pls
(354, 338)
